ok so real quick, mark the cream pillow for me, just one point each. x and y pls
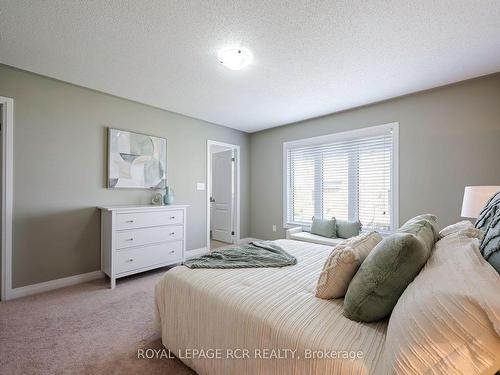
(454, 228)
(342, 264)
(447, 321)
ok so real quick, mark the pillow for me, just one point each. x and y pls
(448, 319)
(388, 269)
(489, 222)
(487, 213)
(490, 245)
(342, 264)
(323, 227)
(348, 229)
(454, 228)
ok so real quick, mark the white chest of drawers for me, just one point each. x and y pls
(140, 238)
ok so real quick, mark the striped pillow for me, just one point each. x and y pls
(489, 222)
(342, 264)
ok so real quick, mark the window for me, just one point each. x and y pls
(350, 176)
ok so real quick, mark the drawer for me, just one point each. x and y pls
(148, 256)
(148, 219)
(147, 236)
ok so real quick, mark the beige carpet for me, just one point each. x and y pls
(84, 329)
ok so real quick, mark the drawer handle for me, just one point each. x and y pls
(129, 239)
(172, 233)
(130, 260)
(172, 251)
(129, 221)
(172, 217)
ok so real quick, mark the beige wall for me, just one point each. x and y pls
(60, 171)
(449, 138)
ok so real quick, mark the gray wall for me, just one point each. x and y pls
(449, 138)
(60, 171)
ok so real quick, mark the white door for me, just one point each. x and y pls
(222, 194)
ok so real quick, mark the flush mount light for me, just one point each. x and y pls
(235, 58)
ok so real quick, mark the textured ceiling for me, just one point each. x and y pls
(311, 57)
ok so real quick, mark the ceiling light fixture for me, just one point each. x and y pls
(235, 58)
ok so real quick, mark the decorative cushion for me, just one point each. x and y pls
(487, 213)
(489, 222)
(490, 244)
(348, 229)
(388, 269)
(454, 228)
(324, 227)
(448, 319)
(342, 264)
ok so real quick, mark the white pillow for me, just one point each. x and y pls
(448, 319)
(343, 263)
(454, 228)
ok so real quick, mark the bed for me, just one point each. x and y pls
(268, 320)
(264, 308)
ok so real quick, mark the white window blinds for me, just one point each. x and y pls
(347, 175)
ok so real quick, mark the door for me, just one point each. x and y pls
(222, 194)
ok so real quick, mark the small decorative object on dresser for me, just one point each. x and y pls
(140, 238)
(168, 198)
(157, 199)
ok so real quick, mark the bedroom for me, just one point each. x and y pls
(377, 111)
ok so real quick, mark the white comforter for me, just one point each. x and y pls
(268, 319)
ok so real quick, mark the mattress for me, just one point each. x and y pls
(264, 320)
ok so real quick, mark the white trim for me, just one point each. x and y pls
(208, 189)
(247, 240)
(204, 250)
(55, 284)
(342, 136)
(395, 175)
(196, 252)
(7, 194)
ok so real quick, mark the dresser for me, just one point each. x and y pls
(139, 238)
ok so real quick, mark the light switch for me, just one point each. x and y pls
(200, 186)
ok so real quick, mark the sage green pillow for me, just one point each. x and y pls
(388, 269)
(348, 229)
(324, 227)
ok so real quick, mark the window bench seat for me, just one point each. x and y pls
(298, 235)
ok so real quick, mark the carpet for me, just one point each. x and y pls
(85, 329)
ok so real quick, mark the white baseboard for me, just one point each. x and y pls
(246, 240)
(204, 250)
(54, 284)
(196, 252)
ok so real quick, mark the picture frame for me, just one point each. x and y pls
(136, 160)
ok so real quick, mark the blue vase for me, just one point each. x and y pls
(168, 198)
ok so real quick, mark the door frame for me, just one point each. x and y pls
(236, 214)
(7, 194)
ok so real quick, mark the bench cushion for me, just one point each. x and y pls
(313, 238)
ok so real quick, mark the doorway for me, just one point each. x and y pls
(223, 194)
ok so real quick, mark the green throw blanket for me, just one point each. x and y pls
(256, 254)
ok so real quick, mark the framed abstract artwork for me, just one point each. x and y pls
(136, 161)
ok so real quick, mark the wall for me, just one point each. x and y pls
(60, 171)
(449, 138)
